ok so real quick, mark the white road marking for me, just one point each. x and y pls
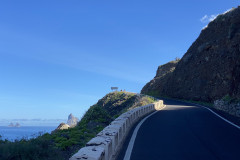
(132, 140)
(134, 135)
(222, 117)
(217, 115)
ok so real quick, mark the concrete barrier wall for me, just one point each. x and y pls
(107, 143)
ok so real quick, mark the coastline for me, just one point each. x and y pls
(24, 132)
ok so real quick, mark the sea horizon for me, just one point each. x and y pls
(32, 122)
(24, 132)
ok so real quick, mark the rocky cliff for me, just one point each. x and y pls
(72, 121)
(156, 85)
(62, 126)
(210, 69)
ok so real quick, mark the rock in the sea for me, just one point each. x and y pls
(14, 125)
(63, 126)
(72, 121)
(11, 125)
(17, 125)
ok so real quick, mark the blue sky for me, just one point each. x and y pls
(60, 57)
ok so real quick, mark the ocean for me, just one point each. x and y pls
(13, 133)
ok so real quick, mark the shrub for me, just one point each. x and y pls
(62, 144)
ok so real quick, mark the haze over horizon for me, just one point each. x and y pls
(59, 58)
(32, 122)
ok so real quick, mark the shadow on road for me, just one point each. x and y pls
(175, 102)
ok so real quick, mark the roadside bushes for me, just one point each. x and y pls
(35, 149)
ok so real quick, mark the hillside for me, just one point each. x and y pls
(210, 68)
(156, 85)
(61, 144)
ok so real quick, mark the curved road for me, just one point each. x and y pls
(185, 132)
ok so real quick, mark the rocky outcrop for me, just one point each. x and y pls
(72, 121)
(110, 107)
(63, 126)
(14, 125)
(211, 67)
(155, 86)
(231, 108)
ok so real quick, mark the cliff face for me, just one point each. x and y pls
(155, 86)
(211, 67)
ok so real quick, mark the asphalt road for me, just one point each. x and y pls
(185, 132)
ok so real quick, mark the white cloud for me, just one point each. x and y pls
(204, 18)
(208, 18)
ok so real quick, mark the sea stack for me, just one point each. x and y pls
(14, 125)
(72, 121)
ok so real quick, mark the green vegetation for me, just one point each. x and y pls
(61, 144)
(153, 93)
(207, 104)
(229, 99)
(37, 149)
(142, 101)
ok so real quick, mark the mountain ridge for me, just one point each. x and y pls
(210, 69)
